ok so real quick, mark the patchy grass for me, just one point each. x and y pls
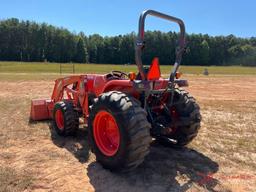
(230, 127)
(13, 181)
(221, 158)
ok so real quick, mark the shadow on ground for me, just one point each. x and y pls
(77, 145)
(164, 169)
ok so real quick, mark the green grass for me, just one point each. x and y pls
(13, 77)
(33, 67)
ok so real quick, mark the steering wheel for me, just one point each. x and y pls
(119, 74)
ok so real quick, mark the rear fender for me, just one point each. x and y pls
(119, 85)
(181, 82)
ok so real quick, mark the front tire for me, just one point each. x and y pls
(118, 131)
(65, 118)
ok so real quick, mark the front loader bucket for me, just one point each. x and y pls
(40, 109)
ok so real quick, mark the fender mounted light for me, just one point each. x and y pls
(178, 75)
(132, 76)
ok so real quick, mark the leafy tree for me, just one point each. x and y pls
(30, 41)
(81, 52)
(204, 53)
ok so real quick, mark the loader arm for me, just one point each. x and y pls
(61, 84)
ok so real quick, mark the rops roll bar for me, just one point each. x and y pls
(140, 42)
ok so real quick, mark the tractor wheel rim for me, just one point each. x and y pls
(106, 133)
(59, 119)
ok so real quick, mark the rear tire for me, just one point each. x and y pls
(188, 122)
(65, 118)
(133, 127)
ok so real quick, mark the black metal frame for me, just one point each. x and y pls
(140, 42)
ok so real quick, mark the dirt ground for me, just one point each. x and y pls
(221, 158)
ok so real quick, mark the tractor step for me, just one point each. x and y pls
(41, 109)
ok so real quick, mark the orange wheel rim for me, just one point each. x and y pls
(106, 133)
(59, 119)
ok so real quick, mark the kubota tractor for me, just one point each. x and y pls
(123, 112)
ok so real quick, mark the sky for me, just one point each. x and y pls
(114, 17)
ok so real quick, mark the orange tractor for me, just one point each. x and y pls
(123, 112)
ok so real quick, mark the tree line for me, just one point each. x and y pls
(30, 41)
